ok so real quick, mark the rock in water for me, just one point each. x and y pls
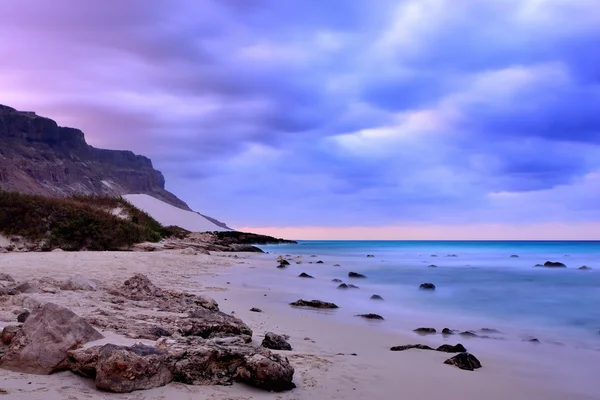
(336, 280)
(552, 264)
(447, 331)
(305, 275)
(427, 286)
(342, 286)
(411, 346)
(370, 316)
(514, 256)
(355, 275)
(425, 331)
(584, 267)
(447, 348)
(313, 304)
(351, 286)
(319, 262)
(376, 297)
(254, 309)
(275, 342)
(45, 338)
(468, 334)
(466, 361)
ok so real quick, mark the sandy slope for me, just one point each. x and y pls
(321, 372)
(167, 214)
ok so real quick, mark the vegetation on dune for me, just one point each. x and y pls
(79, 222)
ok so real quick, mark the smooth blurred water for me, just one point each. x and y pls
(481, 281)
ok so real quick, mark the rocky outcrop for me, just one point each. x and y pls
(44, 340)
(313, 304)
(466, 361)
(275, 342)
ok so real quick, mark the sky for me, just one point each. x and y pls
(405, 119)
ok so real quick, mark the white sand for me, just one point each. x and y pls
(167, 214)
(375, 373)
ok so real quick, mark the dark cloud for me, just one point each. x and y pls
(330, 113)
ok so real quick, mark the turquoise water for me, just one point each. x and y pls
(474, 279)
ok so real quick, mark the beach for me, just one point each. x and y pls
(335, 354)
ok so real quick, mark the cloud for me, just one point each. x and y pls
(338, 113)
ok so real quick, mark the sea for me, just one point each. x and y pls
(492, 288)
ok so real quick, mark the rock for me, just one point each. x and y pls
(370, 316)
(468, 334)
(22, 317)
(254, 309)
(584, 267)
(411, 346)
(213, 324)
(514, 256)
(161, 332)
(532, 340)
(355, 275)
(313, 304)
(433, 266)
(284, 262)
(189, 251)
(6, 277)
(282, 266)
(376, 297)
(24, 287)
(490, 330)
(336, 265)
(434, 255)
(447, 331)
(342, 286)
(78, 282)
(139, 287)
(275, 342)
(451, 255)
(336, 280)
(305, 275)
(370, 256)
(319, 262)
(425, 331)
(8, 333)
(466, 361)
(447, 348)
(269, 372)
(427, 286)
(44, 340)
(552, 264)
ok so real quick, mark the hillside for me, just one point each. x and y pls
(39, 157)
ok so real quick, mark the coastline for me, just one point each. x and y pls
(375, 372)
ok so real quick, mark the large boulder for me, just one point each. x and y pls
(45, 338)
(275, 342)
(313, 304)
(466, 361)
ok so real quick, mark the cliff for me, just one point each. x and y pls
(39, 157)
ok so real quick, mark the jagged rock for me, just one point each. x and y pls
(447, 348)
(376, 297)
(411, 346)
(466, 361)
(355, 275)
(275, 342)
(213, 324)
(6, 277)
(336, 280)
(78, 282)
(370, 316)
(447, 331)
(305, 275)
(254, 309)
(425, 331)
(319, 262)
(43, 341)
(351, 286)
(8, 333)
(342, 286)
(552, 264)
(427, 286)
(584, 267)
(313, 304)
(22, 317)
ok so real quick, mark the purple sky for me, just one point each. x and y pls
(325, 115)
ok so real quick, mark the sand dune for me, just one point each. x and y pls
(167, 214)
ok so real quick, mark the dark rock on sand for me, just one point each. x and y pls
(313, 304)
(214, 324)
(376, 297)
(425, 331)
(447, 348)
(355, 275)
(370, 316)
(44, 340)
(275, 342)
(427, 286)
(411, 346)
(447, 331)
(584, 267)
(22, 317)
(552, 264)
(336, 280)
(254, 309)
(466, 361)
(305, 275)
(319, 262)
(342, 286)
